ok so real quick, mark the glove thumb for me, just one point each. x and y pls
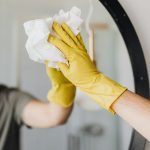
(63, 67)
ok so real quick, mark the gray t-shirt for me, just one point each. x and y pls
(12, 103)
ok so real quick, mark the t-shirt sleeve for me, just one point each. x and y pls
(19, 100)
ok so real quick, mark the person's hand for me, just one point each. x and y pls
(81, 71)
(63, 91)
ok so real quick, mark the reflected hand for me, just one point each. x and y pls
(63, 91)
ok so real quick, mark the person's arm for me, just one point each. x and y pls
(38, 114)
(135, 110)
(107, 93)
(55, 112)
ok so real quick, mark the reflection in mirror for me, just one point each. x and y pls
(90, 127)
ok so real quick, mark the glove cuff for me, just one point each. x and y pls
(104, 91)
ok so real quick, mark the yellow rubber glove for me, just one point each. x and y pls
(63, 91)
(81, 71)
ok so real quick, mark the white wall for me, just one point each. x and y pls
(139, 13)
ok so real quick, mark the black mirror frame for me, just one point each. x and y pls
(141, 81)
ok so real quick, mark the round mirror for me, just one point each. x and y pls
(90, 127)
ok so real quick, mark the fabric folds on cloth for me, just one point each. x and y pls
(38, 31)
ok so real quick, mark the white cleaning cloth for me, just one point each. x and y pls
(38, 30)
(40, 50)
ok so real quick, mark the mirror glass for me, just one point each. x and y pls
(89, 127)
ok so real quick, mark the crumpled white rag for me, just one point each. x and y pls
(40, 50)
(38, 30)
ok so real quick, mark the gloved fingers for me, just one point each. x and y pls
(51, 72)
(63, 67)
(81, 40)
(60, 45)
(56, 76)
(63, 35)
(72, 35)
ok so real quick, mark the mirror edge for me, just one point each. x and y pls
(141, 81)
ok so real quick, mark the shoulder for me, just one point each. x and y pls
(13, 96)
(14, 101)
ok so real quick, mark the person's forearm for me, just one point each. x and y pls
(135, 110)
(45, 115)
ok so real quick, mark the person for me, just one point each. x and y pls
(19, 108)
(82, 72)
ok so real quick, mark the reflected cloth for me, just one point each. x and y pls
(37, 46)
(12, 103)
